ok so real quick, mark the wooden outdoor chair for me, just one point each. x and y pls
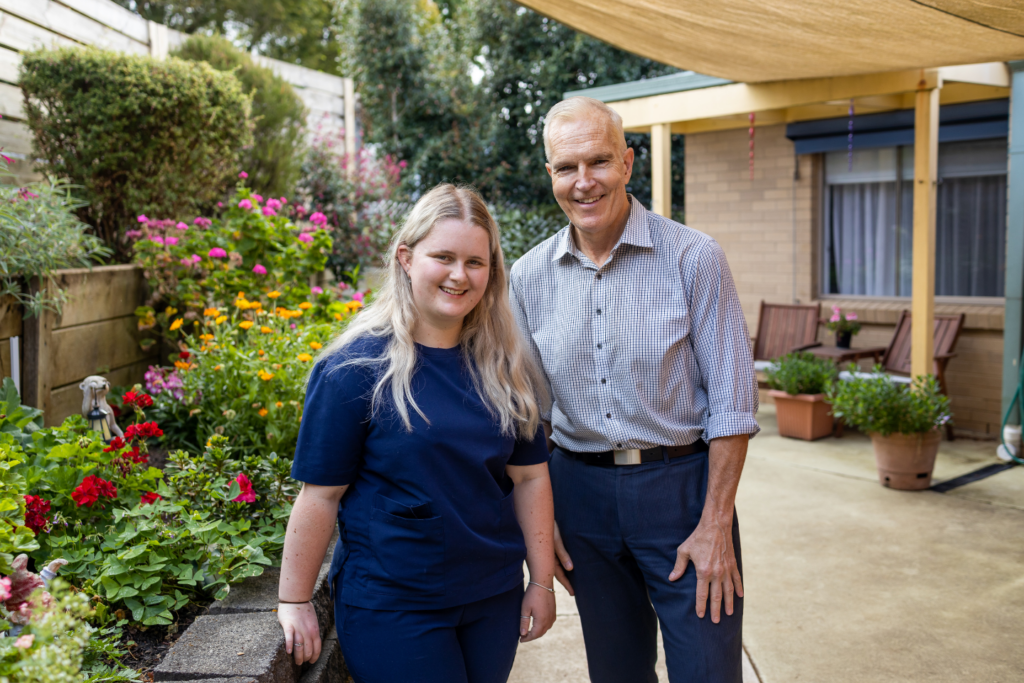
(896, 360)
(782, 329)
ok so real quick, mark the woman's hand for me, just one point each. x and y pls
(540, 605)
(301, 631)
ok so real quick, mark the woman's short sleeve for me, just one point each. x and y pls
(335, 420)
(527, 452)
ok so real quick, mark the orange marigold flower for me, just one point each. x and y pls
(220, 319)
(263, 412)
(218, 367)
(245, 324)
(305, 357)
(242, 303)
(261, 352)
(206, 337)
(278, 404)
(181, 365)
(337, 316)
(264, 375)
(176, 324)
(211, 312)
(316, 346)
(274, 294)
(265, 330)
(305, 305)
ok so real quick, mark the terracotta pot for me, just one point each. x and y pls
(803, 416)
(906, 461)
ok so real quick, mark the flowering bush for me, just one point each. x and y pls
(357, 211)
(842, 324)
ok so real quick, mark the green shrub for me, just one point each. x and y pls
(876, 404)
(523, 228)
(802, 373)
(40, 233)
(278, 115)
(137, 135)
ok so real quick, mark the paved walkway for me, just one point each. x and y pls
(849, 581)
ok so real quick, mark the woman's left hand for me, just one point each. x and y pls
(540, 605)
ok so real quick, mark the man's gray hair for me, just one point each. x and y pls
(576, 108)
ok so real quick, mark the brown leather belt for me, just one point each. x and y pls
(636, 456)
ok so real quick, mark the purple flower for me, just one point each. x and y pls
(358, 296)
(243, 175)
(181, 226)
(305, 237)
(245, 204)
(318, 219)
(316, 290)
(202, 222)
(217, 252)
(259, 269)
(267, 211)
(170, 241)
(142, 218)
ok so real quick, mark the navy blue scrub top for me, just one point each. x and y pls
(428, 520)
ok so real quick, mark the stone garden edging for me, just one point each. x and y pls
(240, 641)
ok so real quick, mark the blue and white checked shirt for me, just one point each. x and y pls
(650, 349)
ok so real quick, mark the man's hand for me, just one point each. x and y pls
(564, 563)
(711, 550)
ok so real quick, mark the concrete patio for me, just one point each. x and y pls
(849, 581)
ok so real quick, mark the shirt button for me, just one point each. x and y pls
(598, 276)
(618, 445)
(608, 415)
(604, 381)
(599, 311)
(598, 346)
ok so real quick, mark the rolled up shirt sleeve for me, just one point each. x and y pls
(721, 346)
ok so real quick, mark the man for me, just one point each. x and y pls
(635, 320)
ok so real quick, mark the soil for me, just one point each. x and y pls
(153, 642)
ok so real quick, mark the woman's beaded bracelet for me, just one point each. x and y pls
(549, 590)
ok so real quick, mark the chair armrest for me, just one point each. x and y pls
(944, 356)
(806, 346)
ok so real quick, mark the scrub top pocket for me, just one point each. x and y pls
(408, 549)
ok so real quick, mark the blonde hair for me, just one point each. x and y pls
(502, 371)
(576, 108)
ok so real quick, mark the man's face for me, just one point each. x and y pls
(589, 172)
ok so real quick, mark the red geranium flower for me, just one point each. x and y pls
(136, 457)
(247, 495)
(91, 489)
(184, 355)
(137, 398)
(150, 497)
(116, 444)
(143, 430)
(35, 513)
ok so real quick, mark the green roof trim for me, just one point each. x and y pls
(687, 80)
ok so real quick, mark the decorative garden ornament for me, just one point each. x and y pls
(96, 409)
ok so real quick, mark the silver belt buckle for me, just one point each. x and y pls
(627, 456)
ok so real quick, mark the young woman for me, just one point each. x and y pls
(422, 421)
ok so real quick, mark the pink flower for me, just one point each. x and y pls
(170, 241)
(217, 252)
(292, 326)
(284, 200)
(358, 296)
(243, 174)
(142, 218)
(247, 495)
(5, 589)
(343, 286)
(157, 238)
(835, 309)
(259, 269)
(403, 163)
(851, 316)
(181, 226)
(257, 198)
(133, 234)
(273, 204)
(245, 204)
(318, 219)
(195, 258)
(186, 261)
(267, 211)
(25, 641)
(220, 205)
(316, 290)
(300, 210)
(202, 222)
(305, 237)
(835, 318)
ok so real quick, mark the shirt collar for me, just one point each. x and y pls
(637, 232)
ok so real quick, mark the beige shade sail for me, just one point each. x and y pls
(756, 41)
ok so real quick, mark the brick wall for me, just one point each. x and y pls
(769, 226)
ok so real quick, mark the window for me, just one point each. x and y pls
(868, 235)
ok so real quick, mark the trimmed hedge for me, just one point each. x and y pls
(278, 115)
(137, 135)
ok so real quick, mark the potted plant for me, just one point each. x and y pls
(799, 383)
(844, 326)
(903, 422)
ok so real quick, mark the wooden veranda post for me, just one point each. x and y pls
(661, 169)
(926, 155)
(1013, 334)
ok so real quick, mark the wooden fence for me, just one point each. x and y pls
(97, 334)
(31, 24)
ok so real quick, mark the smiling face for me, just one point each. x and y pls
(589, 169)
(449, 270)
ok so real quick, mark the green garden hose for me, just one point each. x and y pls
(1004, 451)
